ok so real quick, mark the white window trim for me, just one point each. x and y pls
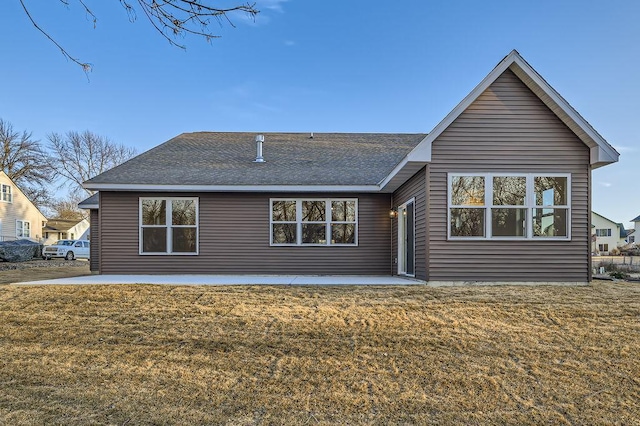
(529, 206)
(20, 227)
(168, 226)
(3, 192)
(299, 222)
(400, 225)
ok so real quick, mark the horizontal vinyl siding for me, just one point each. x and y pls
(508, 129)
(234, 239)
(413, 188)
(94, 241)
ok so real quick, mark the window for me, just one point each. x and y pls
(6, 194)
(169, 225)
(23, 229)
(603, 232)
(632, 239)
(603, 248)
(508, 206)
(314, 222)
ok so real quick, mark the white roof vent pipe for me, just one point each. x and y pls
(259, 141)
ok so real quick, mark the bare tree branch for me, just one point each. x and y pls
(170, 18)
(24, 161)
(80, 156)
(86, 67)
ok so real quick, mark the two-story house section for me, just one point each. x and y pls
(19, 217)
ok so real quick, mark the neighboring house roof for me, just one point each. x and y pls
(91, 202)
(204, 159)
(637, 219)
(61, 225)
(623, 232)
(605, 218)
(328, 162)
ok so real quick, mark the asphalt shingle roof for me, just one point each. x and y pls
(208, 158)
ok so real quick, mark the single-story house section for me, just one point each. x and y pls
(499, 191)
(62, 229)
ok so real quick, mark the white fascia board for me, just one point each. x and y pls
(606, 154)
(593, 138)
(422, 152)
(88, 206)
(231, 188)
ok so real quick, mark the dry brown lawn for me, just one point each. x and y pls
(37, 270)
(139, 354)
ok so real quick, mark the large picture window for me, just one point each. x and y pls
(169, 225)
(509, 206)
(314, 222)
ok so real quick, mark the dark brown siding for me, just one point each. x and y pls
(94, 244)
(508, 129)
(413, 188)
(234, 239)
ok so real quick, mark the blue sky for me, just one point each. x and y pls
(311, 65)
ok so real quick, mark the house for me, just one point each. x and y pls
(636, 229)
(499, 191)
(608, 236)
(19, 217)
(61, 229)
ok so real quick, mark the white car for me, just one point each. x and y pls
(69, 249)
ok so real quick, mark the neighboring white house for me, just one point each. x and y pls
(19, 217)
(62, 229)
(607, 235)
(635, 238)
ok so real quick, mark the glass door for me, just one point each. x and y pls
(406, 238)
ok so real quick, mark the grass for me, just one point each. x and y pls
(139, 354)
(37, 270)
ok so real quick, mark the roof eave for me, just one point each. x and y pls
(601, 152)
(230, 188)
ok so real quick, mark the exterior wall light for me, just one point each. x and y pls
(393, 213)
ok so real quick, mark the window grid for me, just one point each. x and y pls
(7, 195)
(328, 222)
(169, 226)
(488, 206)
(23, 229)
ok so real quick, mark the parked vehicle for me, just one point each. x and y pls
(68, 249)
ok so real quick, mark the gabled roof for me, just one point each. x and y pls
(637, 219)
(601, 152)
(606, 218)
(91, 202)
(62, 225)
(211, 161)
(2, 173)
(347, 162)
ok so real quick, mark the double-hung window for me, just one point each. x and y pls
(23, 229)
(169, 225)
(327, 222)
(604, 232)
(6, 194)
(508, 206)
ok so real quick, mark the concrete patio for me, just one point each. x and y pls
(229, 280)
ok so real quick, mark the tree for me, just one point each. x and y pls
(67, 208)
(24, 161)
(171, 18)
(80, 156)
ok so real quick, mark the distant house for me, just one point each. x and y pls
(62, 229)
(636, 226)
(19, 217)
(499, 191)
(608, 236)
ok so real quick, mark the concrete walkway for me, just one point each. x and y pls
(230, 280)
